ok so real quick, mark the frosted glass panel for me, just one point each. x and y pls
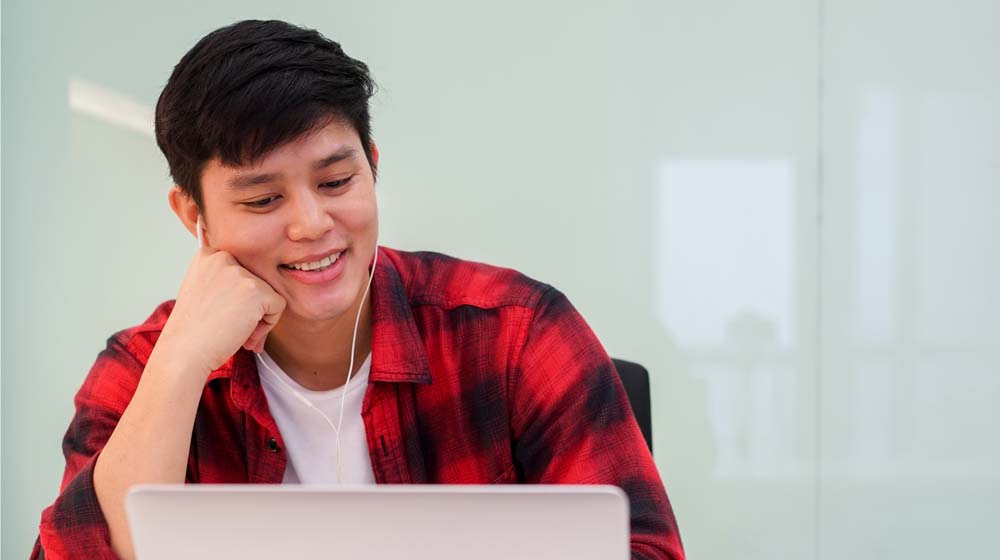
(910, 427)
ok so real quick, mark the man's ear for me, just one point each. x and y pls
(185, 208)
(374, 148)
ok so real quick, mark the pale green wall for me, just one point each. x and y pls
(787, 211)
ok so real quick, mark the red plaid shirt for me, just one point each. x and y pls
(479, 375)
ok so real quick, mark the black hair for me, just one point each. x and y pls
(250, 87)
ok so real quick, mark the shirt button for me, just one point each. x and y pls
(272, 444)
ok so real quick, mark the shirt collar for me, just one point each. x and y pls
(398, 353)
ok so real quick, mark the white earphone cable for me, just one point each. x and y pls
(350, 373)
(350, 369)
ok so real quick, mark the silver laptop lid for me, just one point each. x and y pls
(398, 522)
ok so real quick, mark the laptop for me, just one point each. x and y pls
(397, 522)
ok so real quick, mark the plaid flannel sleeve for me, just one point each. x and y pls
(572, 424)
(74, 525)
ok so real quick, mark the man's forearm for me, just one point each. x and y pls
(151, 442)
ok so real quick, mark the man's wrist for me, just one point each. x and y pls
(180, 363)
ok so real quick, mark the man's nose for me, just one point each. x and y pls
(310, 219)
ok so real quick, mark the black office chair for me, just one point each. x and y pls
(635, 378)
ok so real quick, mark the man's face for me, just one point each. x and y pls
(285, 217)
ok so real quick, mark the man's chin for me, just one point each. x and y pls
(318, 312)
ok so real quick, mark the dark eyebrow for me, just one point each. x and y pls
(343, 153)
(249, 179)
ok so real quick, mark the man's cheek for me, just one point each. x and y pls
(261, 265)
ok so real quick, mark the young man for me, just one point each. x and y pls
(298, 350)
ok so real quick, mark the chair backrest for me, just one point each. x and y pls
(635, 378)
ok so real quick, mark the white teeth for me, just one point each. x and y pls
(317, 264)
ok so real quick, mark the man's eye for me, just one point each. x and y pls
(336, 184)
(261, 203)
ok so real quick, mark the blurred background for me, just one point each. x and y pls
(787, 210)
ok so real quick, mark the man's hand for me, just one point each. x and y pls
(220, 307)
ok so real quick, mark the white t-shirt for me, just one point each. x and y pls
(310, 442)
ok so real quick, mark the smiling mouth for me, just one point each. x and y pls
(315, 266)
